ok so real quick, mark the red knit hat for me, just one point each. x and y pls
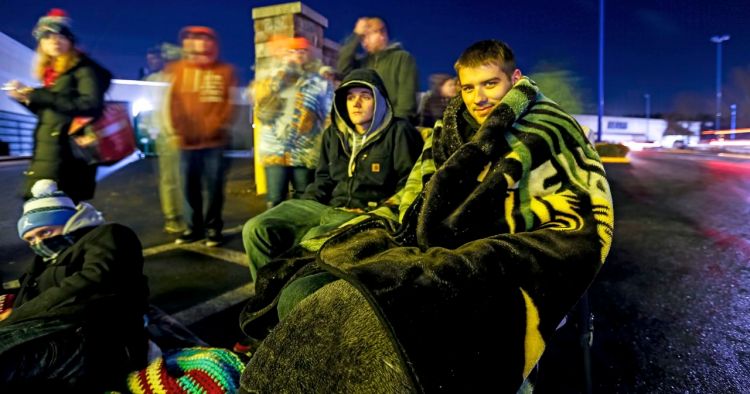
(56, 21)
(207, 31)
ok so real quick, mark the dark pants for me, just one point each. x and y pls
(47, 353)
(278, 179)
(203, 168)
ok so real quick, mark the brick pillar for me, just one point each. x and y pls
(330, 52)
(287, 20)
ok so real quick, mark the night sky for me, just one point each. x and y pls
(660, 47)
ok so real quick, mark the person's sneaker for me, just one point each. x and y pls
(174, 226)
(188, 236)
(214, 237)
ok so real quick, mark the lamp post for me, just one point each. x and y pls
(601, 71)
(647, 96)
(718, 40)
(732, 119)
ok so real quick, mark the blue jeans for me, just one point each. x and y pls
(273, 232)
(203, 167)
(278, 179)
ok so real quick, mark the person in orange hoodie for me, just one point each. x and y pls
(200, 110)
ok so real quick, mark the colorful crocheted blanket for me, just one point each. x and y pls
(189, 370)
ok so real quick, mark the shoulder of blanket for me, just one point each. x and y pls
(544, 107)
(429, 133)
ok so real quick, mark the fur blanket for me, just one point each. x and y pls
(503, 228)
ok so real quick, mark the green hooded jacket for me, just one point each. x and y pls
(396, 67)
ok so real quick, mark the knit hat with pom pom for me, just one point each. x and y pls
(48, 207)
(56, 21)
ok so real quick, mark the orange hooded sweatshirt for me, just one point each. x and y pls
(200, 105)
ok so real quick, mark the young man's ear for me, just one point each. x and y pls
(516, 76)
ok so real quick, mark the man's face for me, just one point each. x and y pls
(483, 87)
(376, 38)
(38, 234)
(154, 62)
(199, 45)
(448, 89)
(297, 56)
(361, 105)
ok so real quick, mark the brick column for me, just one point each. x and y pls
(287, 20)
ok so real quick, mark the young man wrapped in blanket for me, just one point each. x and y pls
(504, 223)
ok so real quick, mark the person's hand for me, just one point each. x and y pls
(18, 91)
(21, 95)
(360, 28)
(13, 85)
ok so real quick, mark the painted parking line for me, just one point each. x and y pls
(217, 304)
(229, 255)
(160, 249)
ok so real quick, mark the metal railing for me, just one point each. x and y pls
(16, 134)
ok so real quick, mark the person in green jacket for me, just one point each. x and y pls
(396, 66)
(73, 85)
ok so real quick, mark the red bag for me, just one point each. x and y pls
(106, 139)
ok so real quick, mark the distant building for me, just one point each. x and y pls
(631, 129)
(17, 64)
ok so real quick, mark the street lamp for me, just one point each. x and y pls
(601, 72)
(718, 40)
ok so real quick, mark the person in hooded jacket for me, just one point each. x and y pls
(365, 158)
(73, 86)
(77, 321)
